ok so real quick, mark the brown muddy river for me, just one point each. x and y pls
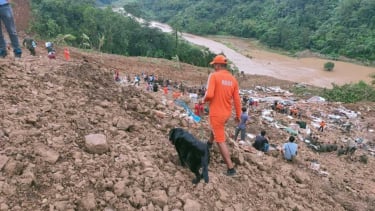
(262, 62)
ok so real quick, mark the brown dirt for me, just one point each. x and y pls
(49, 106)
(22, 14)
(53, 105)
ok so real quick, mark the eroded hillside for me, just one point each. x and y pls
(50, 106)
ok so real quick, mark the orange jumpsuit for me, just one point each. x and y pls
(222, 91)
(66, 54)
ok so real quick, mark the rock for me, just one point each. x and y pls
(238, 207)
(4, 206)
(105, 104)
(3, 160)
(28, 177)
(61, 205)
(138, 199)
(191, 205)
(108, 196)
(82, 123)
(119, 188)
(159, 114)
(172, 191)
(300, 177)
(124, 124)
(88, 202)
(223, 195)
(32, 119)
(238, 158)
(280, 180)
(46, 153)
(159, 198)
(8, 190)
(96, 143)
(13, 167)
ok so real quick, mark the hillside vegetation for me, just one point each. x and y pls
(331, 27)
(81, 24)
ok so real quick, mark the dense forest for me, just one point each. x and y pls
(331, 27)
(81, 24)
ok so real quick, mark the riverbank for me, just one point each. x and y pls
(307, 68)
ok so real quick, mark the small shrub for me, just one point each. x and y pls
(328, 66)
(350, 93)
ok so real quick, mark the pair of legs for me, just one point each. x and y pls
(218, 135)
(223, 151)
(6, 17)
(243, 133)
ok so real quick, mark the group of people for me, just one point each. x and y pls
(7, 18)
(261, 143)
(222, 93)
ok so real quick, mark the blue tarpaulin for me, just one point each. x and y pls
(181, 103)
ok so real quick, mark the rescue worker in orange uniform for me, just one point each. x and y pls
(222, 90)
(322, 126)
(66, 54)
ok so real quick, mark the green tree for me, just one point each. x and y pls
(328, 66)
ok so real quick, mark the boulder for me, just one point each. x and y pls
(124, 124)
(46, 153)
(96, 143)
(159, 198)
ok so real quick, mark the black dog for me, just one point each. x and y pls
(192, 152)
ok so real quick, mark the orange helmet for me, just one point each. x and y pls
(219, 59)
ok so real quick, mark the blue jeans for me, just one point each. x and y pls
(266, 147)
(6, 17)
(243, 133)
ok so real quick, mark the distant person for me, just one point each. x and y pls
(322, 126)
(241, 127)
(155, 87)
(245, 100)
(66, 54)
(6, 16)
(290, 149)
(50, 50)
(136, 80)
(117, 76)
(261, 142)
(165, 90)
(30, 44)
(222, 92)
(198, 109)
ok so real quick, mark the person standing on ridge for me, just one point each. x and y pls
(6, 16)
(222, 90)
(322, 126)
(66, 54)
(241, 127)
